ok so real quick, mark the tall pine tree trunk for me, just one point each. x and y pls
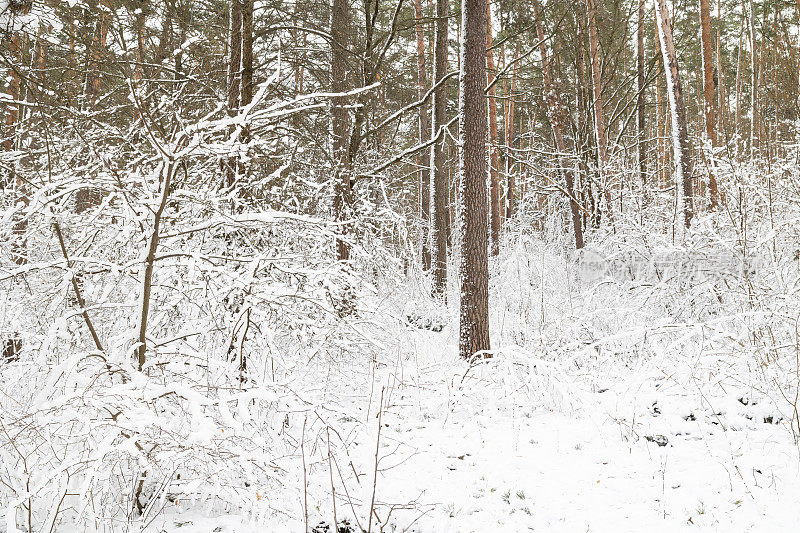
(247, 52)
(640, 103)
(708, 93)
(494, 154)
(473, 208)
(510, 133)
(12, 180)
(599, 123)
(753, 81)
(424, 136)
(234, 77)
(340, 21)
(440, 226)
(680, 137)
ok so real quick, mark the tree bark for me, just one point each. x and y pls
(149, 263)
(680, 138)
(708, 93)
(440, 227)
(599, 124)
(640, 103)
(473, 208)
(510, 132)
(494, 155)
(424, 136)
(753, 82)
(557, 116)
(234, 77)
(12, 179)
(340, 21)
(87, 197)
(247, 52)
(92, 87)
(234, 54)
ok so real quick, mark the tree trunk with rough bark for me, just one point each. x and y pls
(340, 21)
(640, 103)
(473, 208)
(494, 154)
(424, 136)
(753, 81)
(597, 86)
(441, 190)
(247, 52)
(234, 78)
(510, 132)
(708, 93)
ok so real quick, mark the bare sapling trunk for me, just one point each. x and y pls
(167, 170)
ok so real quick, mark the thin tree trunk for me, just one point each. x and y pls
(660, 152)
(93, 88)
(753, 82)
(234, 54)
(87, 197)
(18, 244)
(680, 138)
(722, 96)
(424, 137)
(494, 154)
(149, 263)
(599, 123)
(557, 117)
(738, 111)
(247, 52)
(340, 21)
(510, 132)
(234, 77)
(640, 103)
(708, 94)
(473, 208)
(441, 189)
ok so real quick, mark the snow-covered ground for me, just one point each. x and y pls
(650, 425)
(626, 393)
(473, 450)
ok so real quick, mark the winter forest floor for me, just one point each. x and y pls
(521, 444)
(651, 390)
(621, 420)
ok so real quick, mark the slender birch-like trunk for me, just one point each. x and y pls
(680, 137)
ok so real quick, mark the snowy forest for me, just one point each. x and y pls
(346, 266)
